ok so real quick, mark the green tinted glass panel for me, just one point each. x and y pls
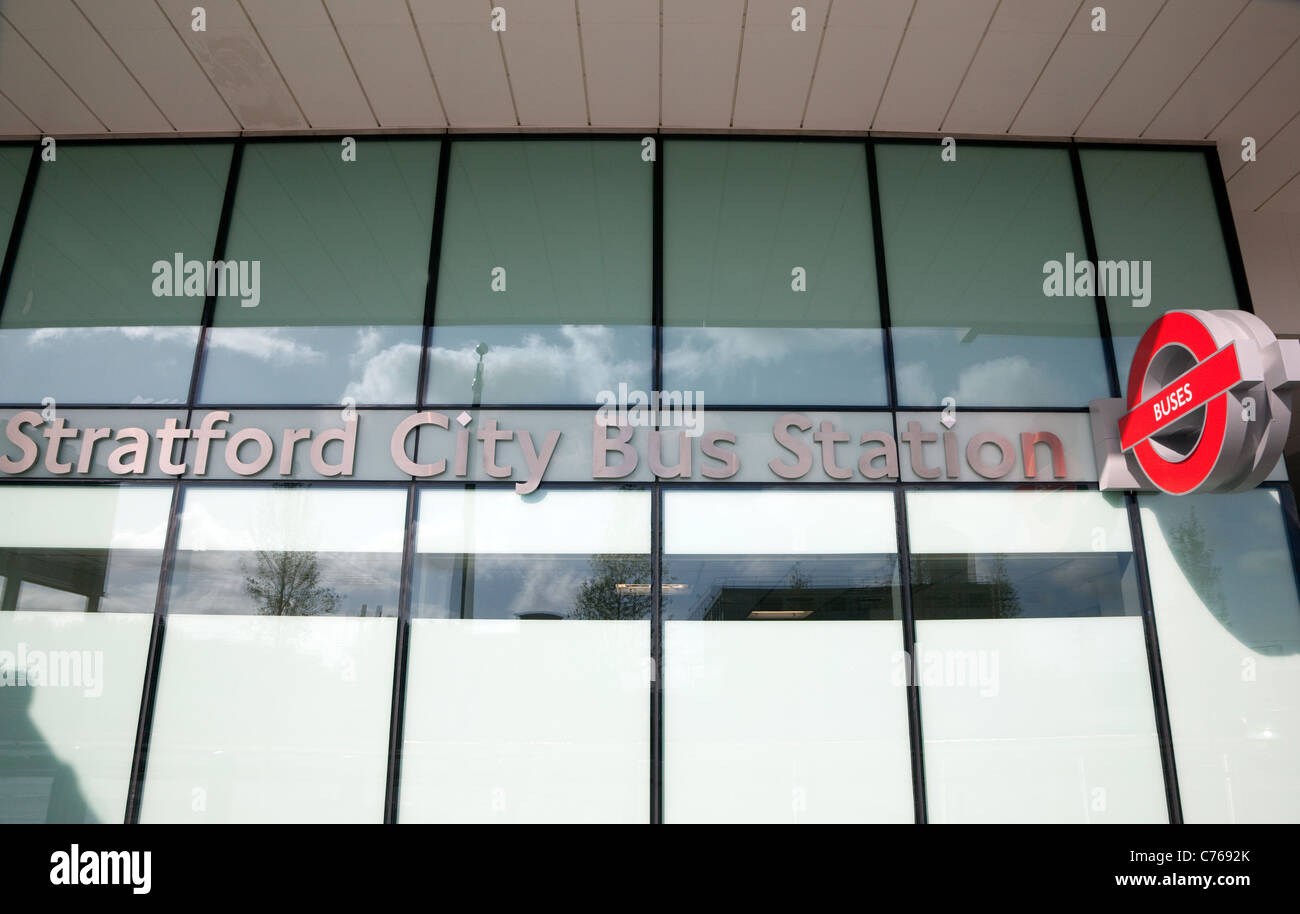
(1157, 206)
(340, 243)
(967, 242)
(770, 289)
(341, 252)
(545, 271)
(92, 313)
(101, 217)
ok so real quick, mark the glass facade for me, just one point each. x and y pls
(303, 626)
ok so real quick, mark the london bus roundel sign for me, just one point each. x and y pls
(1208, 404)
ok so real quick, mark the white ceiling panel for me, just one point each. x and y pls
(939, 45)
(156, 56)
(1277, 162)
(12, 121)
(1020, 40)
(465, 55)
(310, 56)
(1286, 200)
(856, 55)
(544, 63)
(68, 43)
(776, 64)
(701, 41)
(32, 86)
(1182, 33)
(238, 64)
(384, 49)
(620, 45)
(1081, 67)
(1244, 53)
(1262, 112)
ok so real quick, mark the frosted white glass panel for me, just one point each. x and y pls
(769, 722)
(1228, 617)
(84, 517)
(779, 522)
(1038, 720)
(67, 734)
(1016, 522)
(527, 721)
(306, 520)
(280, 719)
(498, 521)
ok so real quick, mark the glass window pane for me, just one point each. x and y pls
(342, 250)
(544, 286)
(768, 721)
(966, 243)
(13, 172)
(528, 691)
(1157, 206)
(78, 580)
(1031, 659)
(1228, 617)
(84, 319)
(275, 686)
(740, 219)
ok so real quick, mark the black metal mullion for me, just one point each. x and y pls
(913, 687)
(218, 254)
(153, 662)
(1229, 228)
(20, 222)
(401, 653)
(656, 501)
(882, 279)
(435, 259)
(1090, 245)
(1160, 699)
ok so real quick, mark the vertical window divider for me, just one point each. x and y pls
(882, 278)
(909, 648)
(153, 659)
(401, 653)
(656, 502)
(20, 220)
(1159, 697)
(402, 640)
(1090, 245)
(218, 253)
(435, 259)
(1228, 226)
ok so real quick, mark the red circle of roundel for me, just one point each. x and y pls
(1182, 476)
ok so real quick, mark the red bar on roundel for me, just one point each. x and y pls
(1189, 392)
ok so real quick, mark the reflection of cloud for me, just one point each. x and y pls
(711, 351)
(270, 344)
(387, 375)
(572, 362)
(49, 335)
(928, 357)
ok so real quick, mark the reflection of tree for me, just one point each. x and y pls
(1004, 601)
(619, 588)
(288, 584)
(1188, 544)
